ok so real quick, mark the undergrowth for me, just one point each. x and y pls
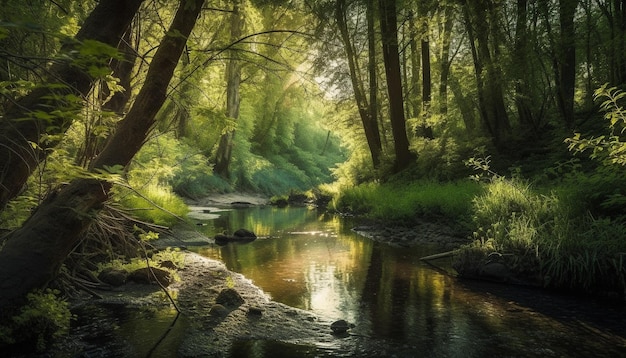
(552, 239)
(391, 202)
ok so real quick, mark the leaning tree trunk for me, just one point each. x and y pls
(26, 122)
(33, 254)
(369, 121)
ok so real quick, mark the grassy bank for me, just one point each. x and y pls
(545, 236)
(406, 202)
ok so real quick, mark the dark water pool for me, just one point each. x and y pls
(313, 261)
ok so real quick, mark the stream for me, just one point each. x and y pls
(314, 261)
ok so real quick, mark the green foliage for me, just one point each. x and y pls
(408, 202)
(549, 239)
(165, 166)
(442, 158)
(174, 255)
(611, 148)
(42, 319)
(153, 203)
(601, 192)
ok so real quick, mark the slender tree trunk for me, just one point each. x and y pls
(233, 80)
(373, 83)
(370, 126)
(33, 254)
(465, 104)
(186, 100)
(26, 122)
(520, 62)
(122, 70)
(615, 13)
(391, 57)
(414, 88)
(424, 129)
(427, 130)
(479, 19)
(445, 58)
(567, 68)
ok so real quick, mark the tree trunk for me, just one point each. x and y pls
(427, 130)
(480, 20)
(391, 57)
(520, 61)
(567, 64)
(233, 80)
(122, 70)
(370, 125)
(615, 13)
(374, 133)
(414, 87)
(31, 117)
(33, 254)
(445, 59)
(465, 104)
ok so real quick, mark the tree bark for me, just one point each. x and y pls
(370, 125)
(427, 131)
(33, 254)
(414, 92)
(520, 60)
(391, 57)
(233, 80)
(21, 131)
(567, 64)
(374, 133)
(445, 58)
(480, 21)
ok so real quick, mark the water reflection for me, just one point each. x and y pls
(313, 261)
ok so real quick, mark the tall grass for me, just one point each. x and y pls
(393, 202)
(153, 203)
(543, 238)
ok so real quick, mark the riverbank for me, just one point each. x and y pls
(255, 325)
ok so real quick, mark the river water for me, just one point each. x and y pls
(313, 261)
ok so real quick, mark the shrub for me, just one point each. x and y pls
(42, 319)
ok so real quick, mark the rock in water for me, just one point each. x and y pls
(340, 326)
(244, 234)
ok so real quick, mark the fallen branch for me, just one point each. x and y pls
(441, 255)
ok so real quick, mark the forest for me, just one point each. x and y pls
(505, 117)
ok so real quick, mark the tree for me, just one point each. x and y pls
(444, 72)
(33, 254)
(481, 21)
(391, 57)
(32, 126)
(567, 60)
(233, 80)
(423, 9)
(367, 109)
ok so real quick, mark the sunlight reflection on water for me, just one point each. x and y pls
(315, 262)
